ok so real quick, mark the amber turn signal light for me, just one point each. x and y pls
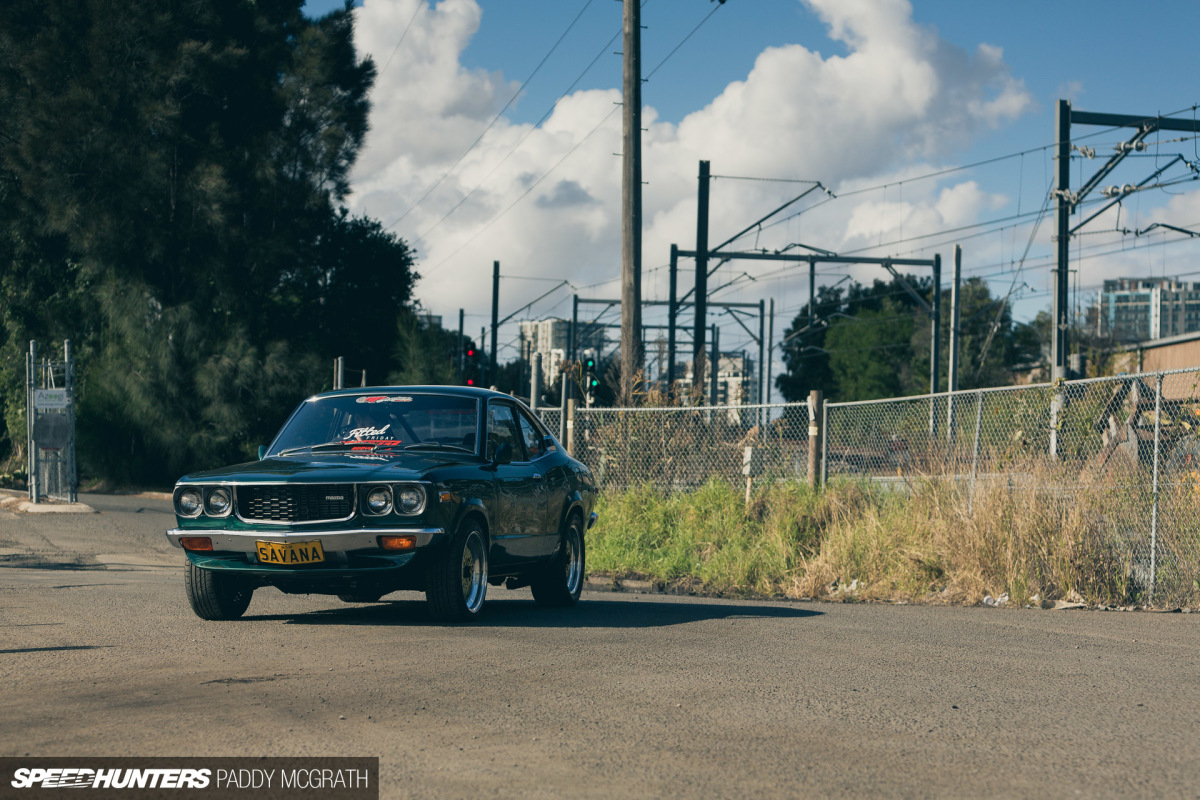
(195, 543)
(397, 542)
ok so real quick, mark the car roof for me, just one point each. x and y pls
(456, 391)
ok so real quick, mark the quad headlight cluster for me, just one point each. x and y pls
(215, 501)
(407, 499)
(377, 500)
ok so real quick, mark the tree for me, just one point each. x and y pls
(425, 352)
(170, 176)
(864, 352)
(836, 366)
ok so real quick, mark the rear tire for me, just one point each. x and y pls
(214, 595)
(456, 583)
(562, 582)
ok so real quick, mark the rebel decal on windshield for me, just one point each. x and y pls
(368, 433)
(384, 399)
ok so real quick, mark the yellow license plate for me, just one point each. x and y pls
(290, 553)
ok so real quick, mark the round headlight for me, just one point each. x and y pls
(410, 499)
(218, 502)
(379, 500)
(188, 503)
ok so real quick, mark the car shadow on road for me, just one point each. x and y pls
(519, 613)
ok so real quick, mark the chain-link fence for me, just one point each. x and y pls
(1117, 458)
(683, 448)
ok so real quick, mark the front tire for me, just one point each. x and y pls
(456, 584)
(216, 596)
(562, 582)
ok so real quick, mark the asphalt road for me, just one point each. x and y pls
(623, 696)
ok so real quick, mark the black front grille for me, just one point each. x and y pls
(296, 503)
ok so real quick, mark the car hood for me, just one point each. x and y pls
(333, 468)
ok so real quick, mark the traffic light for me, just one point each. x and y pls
(591, 381)
(471, 369)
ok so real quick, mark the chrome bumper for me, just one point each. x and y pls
(331, 541)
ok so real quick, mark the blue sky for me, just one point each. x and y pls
(983, 79)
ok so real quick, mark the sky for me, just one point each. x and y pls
(496, 133)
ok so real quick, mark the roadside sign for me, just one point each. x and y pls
(50, 399)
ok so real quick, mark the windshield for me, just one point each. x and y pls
(381, 422)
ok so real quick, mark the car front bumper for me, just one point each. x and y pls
(345, 541)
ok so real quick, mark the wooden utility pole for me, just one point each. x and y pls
(631, 202)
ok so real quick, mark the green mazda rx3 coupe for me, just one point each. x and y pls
(368, 491)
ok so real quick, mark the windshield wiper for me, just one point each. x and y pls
(437, 446)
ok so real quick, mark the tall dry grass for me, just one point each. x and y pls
(928, 540)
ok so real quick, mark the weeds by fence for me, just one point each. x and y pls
(1090, 484)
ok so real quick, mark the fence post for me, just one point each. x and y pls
(562, 409)
(535, 381)
(571, 426)
(824, 443)
(975, 456)
(1154, 509)
(1056, 408)
(815, 407)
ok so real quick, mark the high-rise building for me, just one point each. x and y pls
(1141, 309)
(552, 338)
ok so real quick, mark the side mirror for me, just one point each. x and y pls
(548, 444)
(503, 454)
(262, 452)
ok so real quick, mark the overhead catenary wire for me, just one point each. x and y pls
(494, 119)
(555, 166)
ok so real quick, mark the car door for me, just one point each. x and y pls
(549, 484)
(514, 524)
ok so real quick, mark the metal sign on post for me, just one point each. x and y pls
(50, 423)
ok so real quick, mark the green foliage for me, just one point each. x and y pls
(170, 182)
(869, 352)
(874, 341)
(425, 352)
(708, 539)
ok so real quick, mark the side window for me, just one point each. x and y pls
(532, 437)
(502, 428)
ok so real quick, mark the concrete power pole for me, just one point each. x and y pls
(492, 371)
(701, 286)
(631, 202)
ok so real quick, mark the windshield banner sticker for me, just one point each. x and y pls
(368, 433)
(384, 399)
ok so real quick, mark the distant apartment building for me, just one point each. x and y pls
(1141, 309)
(737, 380)
(552, 338)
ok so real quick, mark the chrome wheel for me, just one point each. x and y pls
(574, 559)
(474, 572)
(560, 582)
(456, 578)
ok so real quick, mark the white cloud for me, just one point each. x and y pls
(900, 96)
